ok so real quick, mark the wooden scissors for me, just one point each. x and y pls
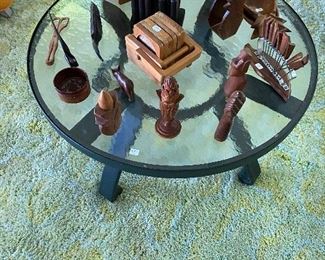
(60, 24)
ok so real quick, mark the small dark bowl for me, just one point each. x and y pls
(72, 85)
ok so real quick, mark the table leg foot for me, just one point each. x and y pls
(249, 173)
(6, 13)
(109, 187)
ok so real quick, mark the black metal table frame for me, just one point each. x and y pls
(114, 165)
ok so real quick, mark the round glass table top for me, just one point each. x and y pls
(262, 123)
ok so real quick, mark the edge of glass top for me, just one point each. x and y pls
(191, 170)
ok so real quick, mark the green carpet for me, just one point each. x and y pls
(50, 207)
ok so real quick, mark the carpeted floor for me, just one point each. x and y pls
(50, 208)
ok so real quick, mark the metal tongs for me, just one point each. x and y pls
(62, 22)
(68, 55)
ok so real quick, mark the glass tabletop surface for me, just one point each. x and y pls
(263, 122)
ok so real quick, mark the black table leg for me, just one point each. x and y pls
(249, 173)
(109, 187)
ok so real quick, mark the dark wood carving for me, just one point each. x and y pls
(125, 83)
(226, 15)
(96, 30)
(108, 112)
(237, 73)
(167, 125)
(234, 104)
(271, 59)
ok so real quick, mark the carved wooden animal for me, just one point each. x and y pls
(125, 83)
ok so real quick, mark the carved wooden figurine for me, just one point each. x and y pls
(237, 73)
(167, 125)
(125, 83)
(234, 104)
(108, 112)
(226, 15)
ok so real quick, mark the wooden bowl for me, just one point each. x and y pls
(72, 85)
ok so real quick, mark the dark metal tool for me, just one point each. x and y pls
(68, 55)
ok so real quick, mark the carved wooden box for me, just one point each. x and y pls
(160, 47)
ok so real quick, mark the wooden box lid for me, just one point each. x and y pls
(172, 25)
(160, 34)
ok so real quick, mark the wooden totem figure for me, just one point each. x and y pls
(237, 73)
(234, 104)
(108, 112)
(167, 125)
(234, 94)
